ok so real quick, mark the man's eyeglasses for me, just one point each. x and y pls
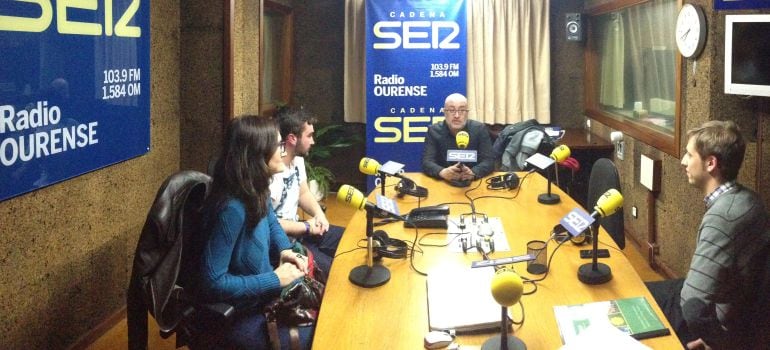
(455, 111)
(282, 148)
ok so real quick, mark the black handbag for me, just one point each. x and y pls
(298, 303)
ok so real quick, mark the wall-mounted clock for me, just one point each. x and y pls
(691, 30)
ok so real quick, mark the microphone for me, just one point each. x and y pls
(596, 272)
(461, 155)
(369, 166)
(354, 198)
(462, 139)
(559, 154)
(507, 288)
(608, 203)
(368, 275)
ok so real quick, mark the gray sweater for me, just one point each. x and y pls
(719, 288)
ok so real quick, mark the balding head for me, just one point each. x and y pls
(456, 98)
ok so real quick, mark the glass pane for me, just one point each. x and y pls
(272, 64)
(637, 63)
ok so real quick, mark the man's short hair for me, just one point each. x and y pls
(292, 121)
(724, 141)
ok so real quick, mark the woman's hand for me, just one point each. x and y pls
(298, 260)
(287, 273)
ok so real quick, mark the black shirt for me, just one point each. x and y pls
(440, 139)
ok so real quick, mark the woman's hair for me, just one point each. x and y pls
(723, 140)
(242, 170)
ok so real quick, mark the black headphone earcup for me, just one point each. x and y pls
(380, 242)
(406, 186)
(380, 238)
(400, 189)
(511, 180)
(506, 181)
(386, 247)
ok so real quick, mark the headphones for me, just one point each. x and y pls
(560, 234)
(386, 247)
(507, 181)
(408, 187)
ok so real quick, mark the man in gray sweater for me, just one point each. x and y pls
(713, 308)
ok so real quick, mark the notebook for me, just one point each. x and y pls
(460, 299)
(632, 316)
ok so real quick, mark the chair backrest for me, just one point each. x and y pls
(158, 257)
(757, 317)
(604, 175)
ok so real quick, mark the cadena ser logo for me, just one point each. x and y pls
(407, 129)
(45, 12)
(390, 35)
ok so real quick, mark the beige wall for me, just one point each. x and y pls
(246, 57)
(201, 32)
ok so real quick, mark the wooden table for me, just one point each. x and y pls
(394, 315)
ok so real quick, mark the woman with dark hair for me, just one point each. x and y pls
(246, 258)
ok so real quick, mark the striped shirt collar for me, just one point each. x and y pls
(712, 197)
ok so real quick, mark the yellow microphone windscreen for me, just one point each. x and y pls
(351, 196)
(609, 202)
(462, 139)
(368, 166)
(507, 287)
(560, 153)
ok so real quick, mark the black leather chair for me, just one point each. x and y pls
(757, 320)
(156, 283)
(604, 175)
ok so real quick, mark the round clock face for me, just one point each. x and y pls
(690, 31)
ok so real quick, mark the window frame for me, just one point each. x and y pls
(668, 143)
(286, 74)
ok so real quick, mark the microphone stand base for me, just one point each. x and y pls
(537, 269)
(369, 277)
(548, 198)
(495, 344)
(599, 274)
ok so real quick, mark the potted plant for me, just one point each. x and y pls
(328, 139)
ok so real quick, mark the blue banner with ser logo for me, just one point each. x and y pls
(415, 58)
(74, 89)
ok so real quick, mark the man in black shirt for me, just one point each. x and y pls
(441, 137)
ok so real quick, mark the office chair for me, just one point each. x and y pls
(757, 318)
(604, 176)
(156, 283)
